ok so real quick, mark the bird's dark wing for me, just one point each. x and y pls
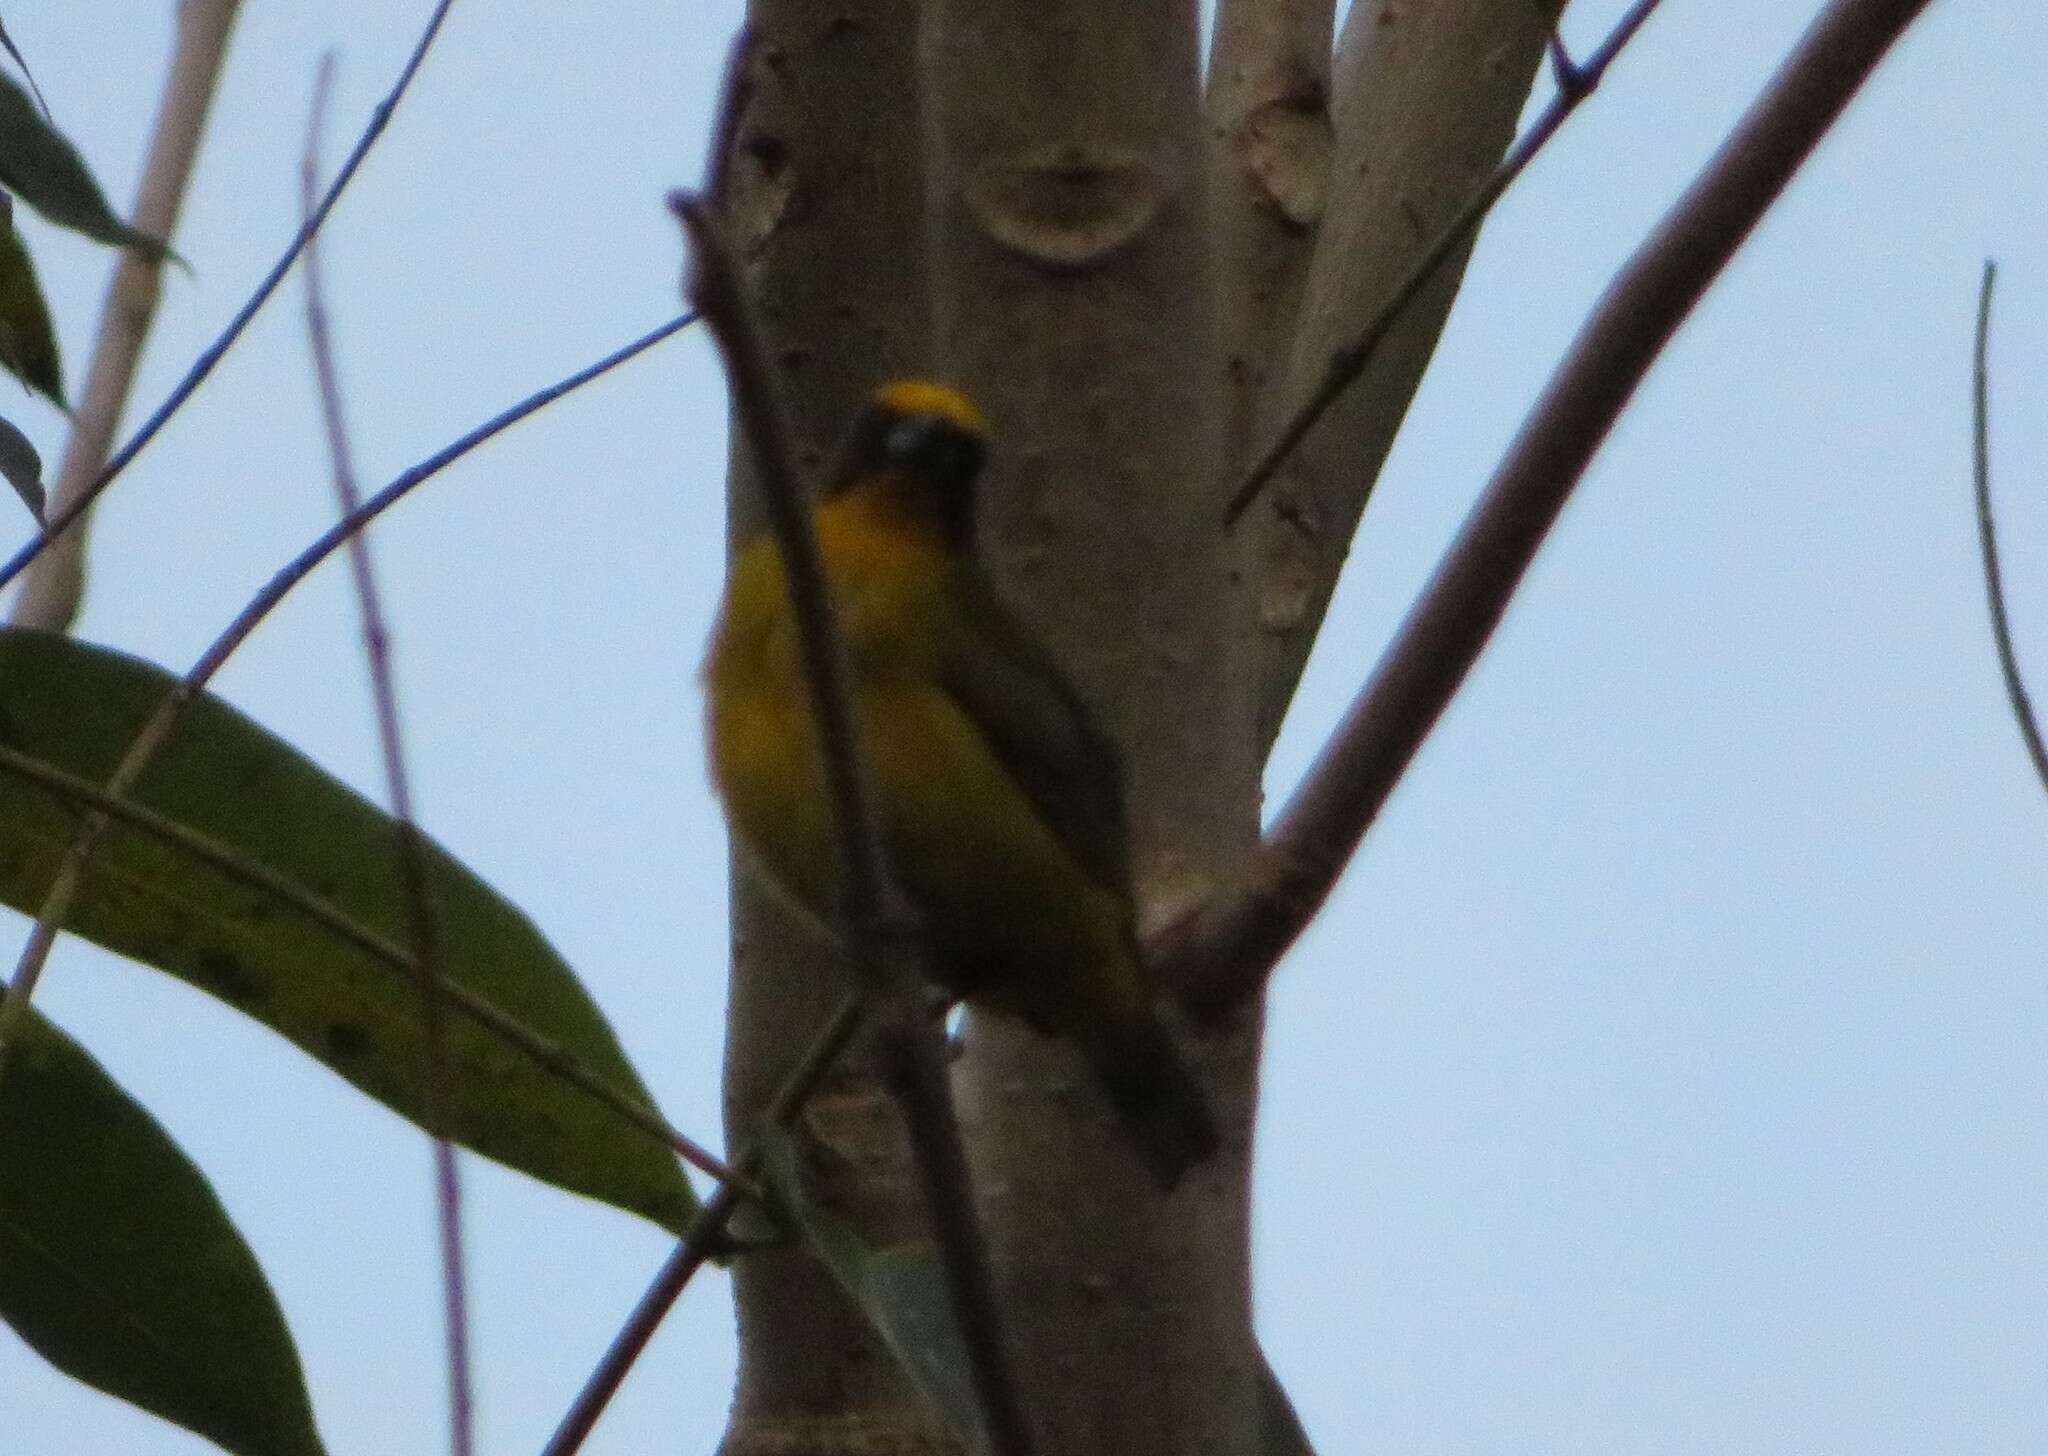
(1042, 733)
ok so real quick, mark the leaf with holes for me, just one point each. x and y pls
(119, 1266)
(76, 707)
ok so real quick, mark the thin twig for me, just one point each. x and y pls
(211, 356)
(50, 594)
(882, 955)
(699, 1240)
(1987, 535)
(1224, 953)
(717, 294)
(544, 1052)
(1349, 362)
(65, 885)
(1565, 73)
(438, 1098)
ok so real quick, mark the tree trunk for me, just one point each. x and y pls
(1081, 285)
(1071, 262)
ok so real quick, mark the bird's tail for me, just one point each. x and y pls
(1155, 1094)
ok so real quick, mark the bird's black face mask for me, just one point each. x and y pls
(940, 461)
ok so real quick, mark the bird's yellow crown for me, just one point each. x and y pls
(922, 397)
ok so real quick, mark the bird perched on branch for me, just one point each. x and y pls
(1000, 802)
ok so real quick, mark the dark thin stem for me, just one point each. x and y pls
(719, 297)
(883, 956)
(1575, 83)
(64, 886)
(410, 849)
(703, 1235)
(1225, 955)
(1564, 71)
(1987, 535)
(217, 350)
(918, 1071)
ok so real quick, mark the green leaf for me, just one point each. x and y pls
(20, 60)
(119, 1266)
(28, 344)
(76, 707)
(44, 170)
(901, 1289)
(22, 467)
(1280, 1432)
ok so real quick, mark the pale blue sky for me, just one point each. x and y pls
(1667, 1076)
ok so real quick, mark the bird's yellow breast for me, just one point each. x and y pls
(883, 576)
(999, 895)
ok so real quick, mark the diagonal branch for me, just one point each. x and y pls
(1987, 535)
(1346, 364)
(700, 1240)
(1469, 65)
(65, 516)
(873, 930)
(881, 953)
(1226, 950)
(1270, 143)
(408, 846)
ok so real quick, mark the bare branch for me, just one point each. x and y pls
(1348, 363)
(717, 294)
(874, 911)
(1270, 139)
(825, 201)
(700, 1241)
(51, 593)
(1987, 535)
(1426, 99)
(62, 519)
(411, 851)
(1228, 948)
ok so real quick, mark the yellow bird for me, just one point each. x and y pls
(1001, 803)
